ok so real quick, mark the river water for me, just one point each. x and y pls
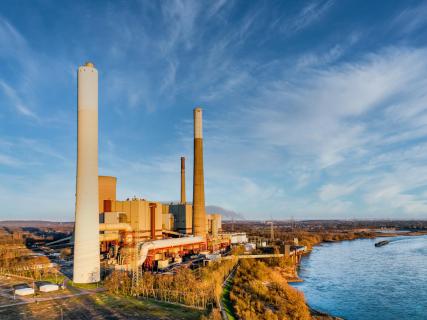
(356, 280)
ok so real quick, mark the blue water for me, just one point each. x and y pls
(355, 280)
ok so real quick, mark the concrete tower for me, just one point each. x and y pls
(183, 198)
(199, 213)
(86, 267)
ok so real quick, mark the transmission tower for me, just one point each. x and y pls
(136, 270)
(271, 230)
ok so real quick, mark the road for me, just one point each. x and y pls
(225, 304)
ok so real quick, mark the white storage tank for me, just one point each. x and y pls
(24, 291)
(48, 288)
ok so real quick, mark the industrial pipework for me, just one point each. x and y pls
(86, 267)
(145, 247)
(199, 214)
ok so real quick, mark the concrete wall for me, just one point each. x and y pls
(213, 223)
(183, 217)
(168, 221)
(139, 216)
(107, 190)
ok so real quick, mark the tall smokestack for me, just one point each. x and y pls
(86, 268)
(199, 214)
(183, 198)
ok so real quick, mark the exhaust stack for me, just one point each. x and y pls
(199, 213)
(183, 198)
(86, 267)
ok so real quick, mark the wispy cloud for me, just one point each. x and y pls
(6, 160)
(16, 101)
(308, 15)
(298, 120)
(411, 19)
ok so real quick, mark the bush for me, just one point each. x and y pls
(260, 292)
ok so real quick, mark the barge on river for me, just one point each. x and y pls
(382, 243)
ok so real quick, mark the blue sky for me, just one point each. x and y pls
(312, 109)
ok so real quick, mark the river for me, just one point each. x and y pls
(357, 281)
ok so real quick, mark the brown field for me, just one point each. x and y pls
(99, 306)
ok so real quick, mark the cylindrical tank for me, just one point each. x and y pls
(86, 268)
(199, 214)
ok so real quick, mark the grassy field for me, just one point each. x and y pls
(228, 306)
(99, 306)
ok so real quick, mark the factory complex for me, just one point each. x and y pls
(166, 229)
(133, 233)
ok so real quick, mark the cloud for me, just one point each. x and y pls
(334, 127)
(6, 160)
(226, 214)
(321, 113)
(411, 19)
(308, 15)
(11, 36)
(16, 101)
(181, 17)
(329, 123)
(332, 191)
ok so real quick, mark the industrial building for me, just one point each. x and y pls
(133, 233)
(123, 223)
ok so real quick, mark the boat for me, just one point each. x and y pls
(382, 243)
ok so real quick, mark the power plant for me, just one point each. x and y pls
(122, 234)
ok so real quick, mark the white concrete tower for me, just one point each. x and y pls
(86, 267)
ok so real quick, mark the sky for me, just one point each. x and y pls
(312, 109)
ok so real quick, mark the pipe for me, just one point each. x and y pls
(165, 243)
(153, 207)
(108, 237)
(114, 227)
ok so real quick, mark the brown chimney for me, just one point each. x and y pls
(183, 198)
(199, 214)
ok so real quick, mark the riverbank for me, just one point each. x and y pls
(339, 237)
(320, 315)
(313, 239)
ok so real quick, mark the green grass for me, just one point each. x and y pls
(151, 308)
(101, 306)
(228, 306)
(51, 278)
(85, 286)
